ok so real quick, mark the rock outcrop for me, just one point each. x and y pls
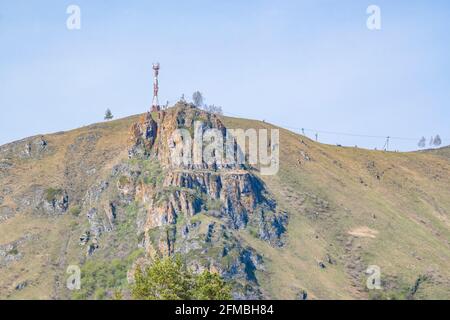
(228, 192)
(196, 208)
(43, 200)
(29, 148)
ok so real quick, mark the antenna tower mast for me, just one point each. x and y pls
(155, 103)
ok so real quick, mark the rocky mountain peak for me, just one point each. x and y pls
(188, 205)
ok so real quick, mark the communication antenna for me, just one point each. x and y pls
(155, 103)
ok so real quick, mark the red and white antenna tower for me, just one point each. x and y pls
(155, 103)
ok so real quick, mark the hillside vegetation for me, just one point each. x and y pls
(347, 209)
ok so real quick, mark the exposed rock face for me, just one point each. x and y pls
(187, 188)
(302, 295)
(96, 223)
(21, 285)
(239, 192)
(142, 136)
(43, 200)
(33, 147)
(101, 213)
(240, 197)
(11, 252)
(195, 208)
(58, 204)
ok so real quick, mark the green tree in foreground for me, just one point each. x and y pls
(168, 279)
(210, 286)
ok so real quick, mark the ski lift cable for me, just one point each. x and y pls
(340, 133)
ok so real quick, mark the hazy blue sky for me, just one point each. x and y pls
(311, 64)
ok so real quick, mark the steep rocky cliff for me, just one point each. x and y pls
(191, 209)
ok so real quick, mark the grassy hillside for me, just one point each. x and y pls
(349, 208)
(444, 152)
(75, 160)
(360, 208)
